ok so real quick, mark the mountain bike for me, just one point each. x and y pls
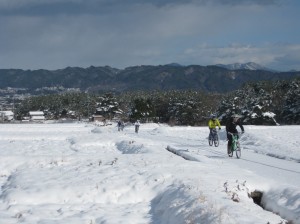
(235, 146)
(213, 138)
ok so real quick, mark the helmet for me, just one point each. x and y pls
(213, 116)
(236, 116)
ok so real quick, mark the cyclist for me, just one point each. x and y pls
(231, 127)
(213, 123)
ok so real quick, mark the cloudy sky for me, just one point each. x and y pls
(54, 34)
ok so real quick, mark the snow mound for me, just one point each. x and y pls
(283, 200)
(131, 147)
(184, 204)
(269, 140)
(97, 130)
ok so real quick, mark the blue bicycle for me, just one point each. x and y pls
(235, 146)
(213, 138)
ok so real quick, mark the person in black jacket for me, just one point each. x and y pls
(231, 127)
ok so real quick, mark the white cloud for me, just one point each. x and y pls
(267, 55)
(83, 4)
(58, 33)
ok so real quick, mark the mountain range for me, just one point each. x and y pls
(246, 66)
(215, 78)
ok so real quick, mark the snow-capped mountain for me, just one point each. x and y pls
(245, 66)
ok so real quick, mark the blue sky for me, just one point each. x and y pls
(54, 34)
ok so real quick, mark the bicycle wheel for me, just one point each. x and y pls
(238, 151)
(216, 141)
(229, 151)
(210, 140)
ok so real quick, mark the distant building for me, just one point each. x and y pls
(98, 118)
(6, 116)
(36, 116)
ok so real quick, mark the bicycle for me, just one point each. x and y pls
(235, 146)
(213, 138)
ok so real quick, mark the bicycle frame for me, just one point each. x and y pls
(214, 134)
(213, 138)
(235, 146)
(235, 140)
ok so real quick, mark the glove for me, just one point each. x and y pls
(219, 128)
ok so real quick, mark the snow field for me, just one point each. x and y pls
(81, 173)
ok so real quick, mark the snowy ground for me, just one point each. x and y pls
(85, 174)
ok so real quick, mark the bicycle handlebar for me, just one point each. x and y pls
(235, 133)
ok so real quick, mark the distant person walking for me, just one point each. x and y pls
(137, 126)
(120, 125)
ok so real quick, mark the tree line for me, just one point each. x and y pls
(265, 103)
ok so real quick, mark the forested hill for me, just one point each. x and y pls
(162, 77)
